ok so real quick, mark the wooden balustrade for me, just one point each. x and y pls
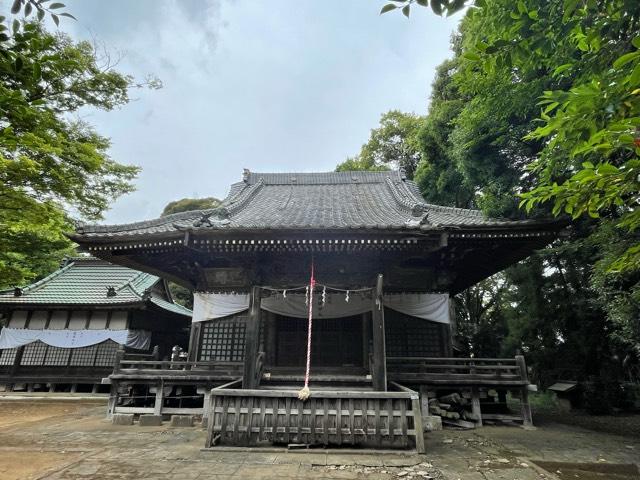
(354, 418)
(458, 371)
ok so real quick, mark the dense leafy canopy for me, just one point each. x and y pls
(393, 144)
(186, 204)
(53, 166)
(539, 109)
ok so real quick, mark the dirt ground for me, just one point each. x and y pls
(43, 439)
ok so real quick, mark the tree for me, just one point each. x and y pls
(52, 165)
(438, 174)
(187, 204)
(393, 144)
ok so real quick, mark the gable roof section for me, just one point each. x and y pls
(311, 201)
(85, 281)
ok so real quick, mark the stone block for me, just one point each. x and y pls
(432, 423)
(122, 419)
(150, 420)
(182, 420)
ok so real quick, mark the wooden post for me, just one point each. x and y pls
(206, 403)
(117, 363)
(379, 373)
(157, 407)
(475, 405)
(249, 379)
(113, 399)
(194, 342)
(424, 403)
(417, 423)
(527, 418)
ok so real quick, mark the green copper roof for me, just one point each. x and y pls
(87, 281)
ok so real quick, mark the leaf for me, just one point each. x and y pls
(28, 9)
(17, 5)
(406, 10)
(56, 20)
(624, 59)
(65, 14)
(16, 26)
(474, 57)
(4, 37)
(569, 7)
(40, 14)
(53, 6)
(562, 68)
(636, 42)
(18, 64)
(436, 6)
(387, 8)
(522, 8)
(423, 3)
(634, 78)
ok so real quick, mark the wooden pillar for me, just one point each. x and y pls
(206, 403)
(113, 399)
(424, 403)
(417, 422)
(251, 346)
(475, 405)
(159, 403)
(379, 373)
(527, 419)
(194, 342)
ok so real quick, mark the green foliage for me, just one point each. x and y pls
(393, 144)
(439, 7)
(52, 166)
(187, 204)
(541, 107)
(438, 173)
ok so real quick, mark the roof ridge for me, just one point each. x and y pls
(244, 196)
(407, 202)
(92, 228)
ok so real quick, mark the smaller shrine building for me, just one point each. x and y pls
(65, 329)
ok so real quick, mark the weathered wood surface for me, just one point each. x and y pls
(372, 419)
(458, 371)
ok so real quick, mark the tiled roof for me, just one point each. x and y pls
(332, 200)
(85, 281)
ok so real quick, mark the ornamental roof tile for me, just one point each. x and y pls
(298, 201)
(86, 281)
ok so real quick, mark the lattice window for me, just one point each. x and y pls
(84, 356)
(223, 340)
(8, 356)
(408, 336)
(56, 356)
(106, 353)
(34, 354)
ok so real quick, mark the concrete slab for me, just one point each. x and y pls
(122, 419)
(182, 421)
(150, 420)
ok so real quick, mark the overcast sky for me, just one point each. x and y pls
(279, 85)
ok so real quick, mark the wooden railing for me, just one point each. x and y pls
(354, 418)
(459, 371)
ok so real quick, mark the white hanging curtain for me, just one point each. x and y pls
(209, 306)
(428, 306)
(17, 337)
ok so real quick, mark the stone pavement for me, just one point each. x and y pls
(74, 442)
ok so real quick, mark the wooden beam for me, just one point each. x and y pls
(249, 378)
(194, 342)
(379, 373)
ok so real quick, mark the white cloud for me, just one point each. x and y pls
(279, 85)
